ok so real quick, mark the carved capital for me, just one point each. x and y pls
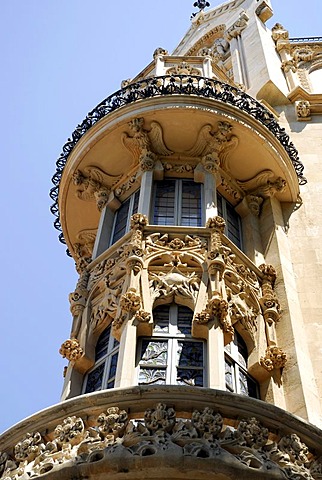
(254, 203)
(289, 65)
(217, 224)
(274, 358)
(94, 185)
(142, 316)
(71, 350)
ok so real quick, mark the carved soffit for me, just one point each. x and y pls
(213, 147)
(145, 145)
(265, 184)
(94, 185)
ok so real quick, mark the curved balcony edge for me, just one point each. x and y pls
(145, 428)
(167, 86)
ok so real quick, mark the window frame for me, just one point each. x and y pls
(173, 337)
(112, 349)
(232, 357)
(178, 204)
(224, 215)
(133, 200)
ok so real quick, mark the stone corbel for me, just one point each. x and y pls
(213, 147)
(94, 185)
(145, 145)
(71, 350)
(264, 185)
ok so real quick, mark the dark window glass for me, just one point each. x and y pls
(177, 202)
(233, 223)
(123, 215)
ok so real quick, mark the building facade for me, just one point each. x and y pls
(195, 229)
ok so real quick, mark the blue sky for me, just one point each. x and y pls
(58, 60)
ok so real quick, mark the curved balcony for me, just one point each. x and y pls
(177, 103)
(153, 432)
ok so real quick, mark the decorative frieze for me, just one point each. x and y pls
(247, 446)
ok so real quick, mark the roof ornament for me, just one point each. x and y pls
(201, 4)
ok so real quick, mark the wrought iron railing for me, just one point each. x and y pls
(166, 86)
(305, 39)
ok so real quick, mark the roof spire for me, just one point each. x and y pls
(201, 4)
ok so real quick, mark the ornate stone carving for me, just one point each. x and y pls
(280, 37)
(113, 422)
(274, 358)
(78, 298)
(289, 65)
(303, 110)
(174, 283)
(160, 51)
(142, 316)
(214, 147)
(240, 310)
(247, 448)
(183, 68)
(71, 431)
(29, 448)
(130, 301)
(254, 203)
(145, 145)
(265, 184)
(178, 167)
(236, 29)
(230, 189)
(94, 185)
(107, 307)
(71, 350)
(253, 433)
(83, 257)
(127, 184)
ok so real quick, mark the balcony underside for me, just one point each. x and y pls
(154, 432)
(183, 115)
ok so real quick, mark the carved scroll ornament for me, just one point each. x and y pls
(145, 145)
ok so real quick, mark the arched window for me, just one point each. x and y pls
(233, 221)
(177, 202)
(102, 375)
(237, 378)
(171, 355)
(123, 215)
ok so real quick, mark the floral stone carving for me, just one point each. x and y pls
(71, 350)
(247, 448)
(274, 358)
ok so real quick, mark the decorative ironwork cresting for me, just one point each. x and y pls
(166, 86)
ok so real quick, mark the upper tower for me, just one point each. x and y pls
(188, 353)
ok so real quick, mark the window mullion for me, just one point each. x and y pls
(178, 202)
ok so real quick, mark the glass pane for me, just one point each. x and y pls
(191, 204)
(113, 366)
(121, 221)
(161, 319)
(242, 350)
(184, 320)
(102, 344)
(219, 205)
(135, 202)
(190, 354)
(233, 228)
(164, 204)
(229, 376)
(154, 352)
(243, 384)
(94, 379)
(148, 376)
(190, 377)
(110, 384)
